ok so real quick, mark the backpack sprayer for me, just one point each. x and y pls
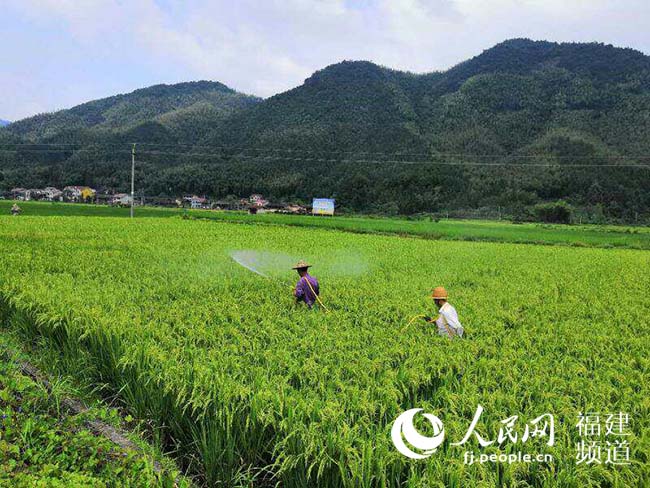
(320, 302)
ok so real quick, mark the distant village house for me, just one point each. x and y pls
(258, 200)
(49, 194)
(35, 194)
(295, 209)
(122, 199)
(199, 202)
(78, 193)
(195, 201)
(18, 193)
(52, 194)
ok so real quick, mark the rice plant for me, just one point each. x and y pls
(246, 387)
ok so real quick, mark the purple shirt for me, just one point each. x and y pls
(303, 291)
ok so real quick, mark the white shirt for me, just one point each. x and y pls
(448, 321)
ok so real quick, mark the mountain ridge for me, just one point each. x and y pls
(349, 129)
(125, 111)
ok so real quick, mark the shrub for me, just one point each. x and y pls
(553, 212)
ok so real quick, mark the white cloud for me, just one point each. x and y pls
(264, 47)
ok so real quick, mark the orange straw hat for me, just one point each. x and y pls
(439, 293)
(301, 265)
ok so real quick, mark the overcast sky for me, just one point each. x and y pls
(57, 53)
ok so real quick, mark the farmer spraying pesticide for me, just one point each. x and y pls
(447, 319)
(307, 289)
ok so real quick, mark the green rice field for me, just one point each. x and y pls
(468, 230)
(246, 388)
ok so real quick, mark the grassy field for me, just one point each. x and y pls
(43, 444)
(468, 230)
(465, 230)
(46, 209)
(244, 386)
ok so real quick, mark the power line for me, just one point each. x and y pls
(405, 154)
(57, 150)
(433, 155)
(362, 161)
(434, 163)
(94, 146)
(366, 161)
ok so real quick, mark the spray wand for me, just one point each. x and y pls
(238, 259)
(421, 316)
(413, 319)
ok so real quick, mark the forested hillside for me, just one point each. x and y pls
(145, 113)
(523, 123)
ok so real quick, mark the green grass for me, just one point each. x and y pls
(469, 230)
(42, 444)
(243, 384)
(47, 209)
(584, 235)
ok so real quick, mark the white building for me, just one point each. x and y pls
(198, 202)
(52, 194)
(123, 199)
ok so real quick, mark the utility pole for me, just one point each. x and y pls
(132, 178)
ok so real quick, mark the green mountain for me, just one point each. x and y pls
(147, 112)
(502, 100)
(356, 106)
(522, 123)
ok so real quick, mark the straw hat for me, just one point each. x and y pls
(301, 265)
(439, 293)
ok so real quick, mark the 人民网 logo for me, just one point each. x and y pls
(404, 430)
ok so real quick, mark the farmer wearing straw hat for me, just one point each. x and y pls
(447, 319)
(307, 289)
